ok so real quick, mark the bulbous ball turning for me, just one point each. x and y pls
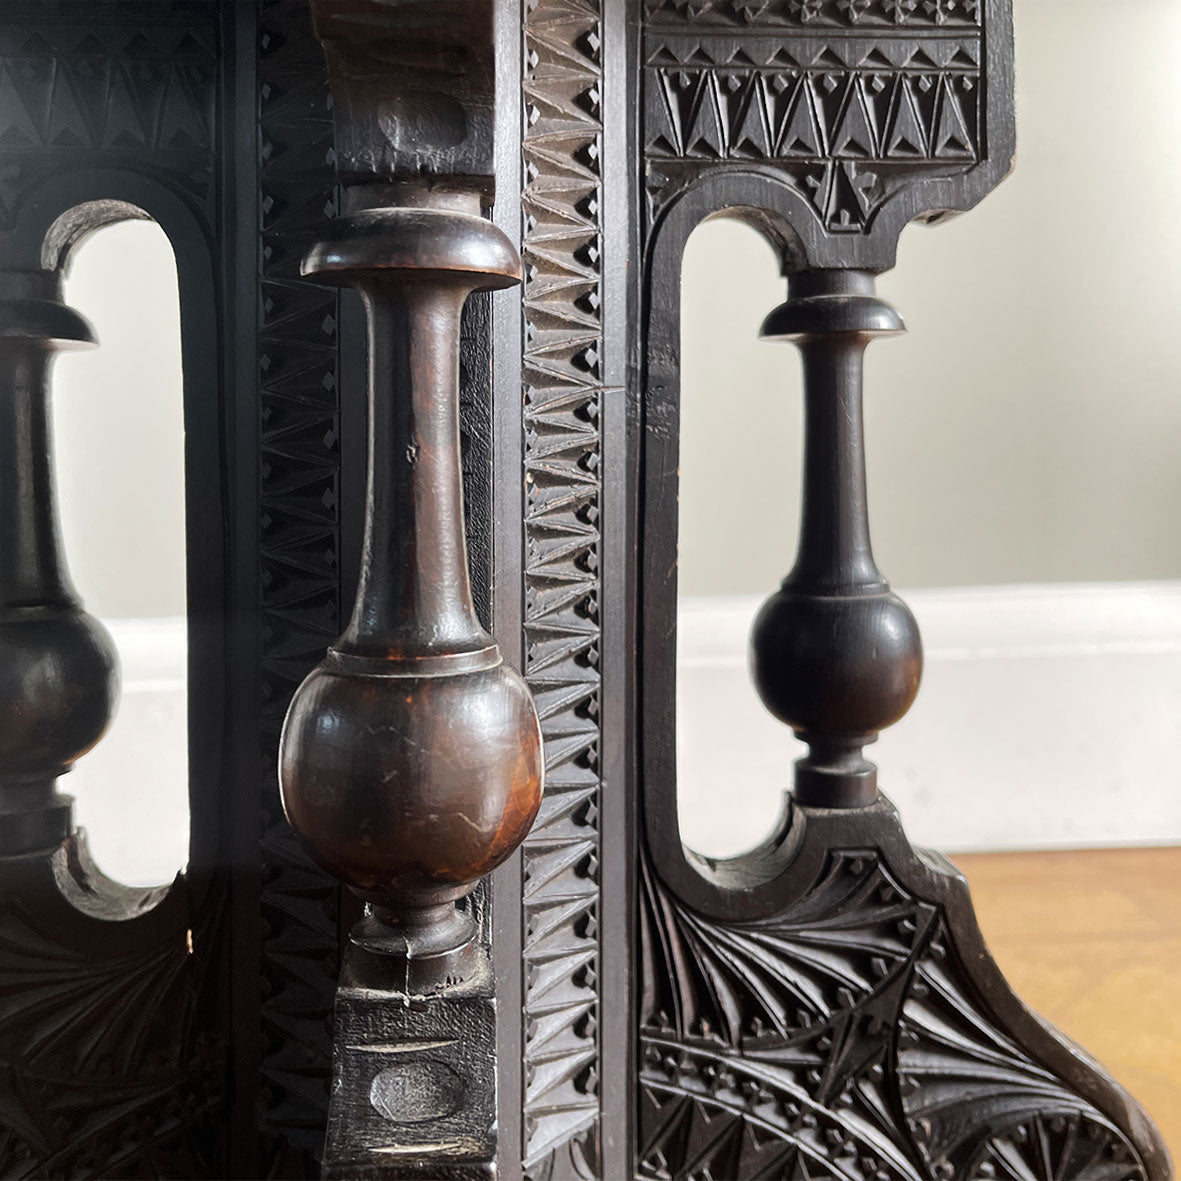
(836, 665)
(59, 683)
(411, 788)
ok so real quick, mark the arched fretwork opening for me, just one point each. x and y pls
(120, 466)
(738, 493)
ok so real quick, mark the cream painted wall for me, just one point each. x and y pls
(119, 450)
(118, 422)
(1028, 428)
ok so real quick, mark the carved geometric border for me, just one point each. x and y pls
(299, 567)
(846, 114)
(562, 377)
(116, 90)
(875, 15)
(852, 116)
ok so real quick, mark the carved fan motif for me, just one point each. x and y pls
(73, 1025)
(782, 978)
(843, 1038)
(959, 1075)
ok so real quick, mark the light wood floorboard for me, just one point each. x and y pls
(1092, 940)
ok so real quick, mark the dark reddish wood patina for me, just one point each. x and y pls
(411, 757)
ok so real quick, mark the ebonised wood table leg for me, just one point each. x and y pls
(827, 1001)
(411, 757)
(824, 1004)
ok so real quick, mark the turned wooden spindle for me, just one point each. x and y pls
(411, 758)
(835, 654)
(58, 669)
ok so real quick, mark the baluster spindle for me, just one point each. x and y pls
(58, 668)
(835, 654)
(411, 761)
(411, 758)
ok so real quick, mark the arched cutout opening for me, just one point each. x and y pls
(737, 523)
(120, 463)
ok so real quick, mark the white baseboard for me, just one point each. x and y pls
(131, 791)
(1048, 716)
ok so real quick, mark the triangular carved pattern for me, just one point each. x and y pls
(149, 91)
(841, 1039)
(299, 571)
(912, 116)
(847, 118)
(561, 245)
(809, 14)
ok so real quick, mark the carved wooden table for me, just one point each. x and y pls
(607, 1004)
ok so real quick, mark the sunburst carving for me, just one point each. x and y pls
(844, 1037)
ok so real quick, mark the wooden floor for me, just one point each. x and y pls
(1092, 940)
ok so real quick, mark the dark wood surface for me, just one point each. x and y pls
(822, 1006)
(834, 654)
(410, 759)
(115, 1017)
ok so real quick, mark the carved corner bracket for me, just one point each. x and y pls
(860, 1026)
